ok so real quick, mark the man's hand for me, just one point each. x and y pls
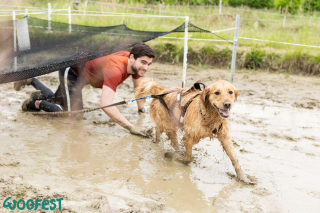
(135, 130)
(107, 98)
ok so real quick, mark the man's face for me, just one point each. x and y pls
(140, 65)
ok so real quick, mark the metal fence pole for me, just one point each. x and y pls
(85, 6)
(234, 51)
(25, 56)
(66, 87)
(220, 4)
(14, 39)
(285, 17)
(49, 17)
(185, 52)
(69, 14)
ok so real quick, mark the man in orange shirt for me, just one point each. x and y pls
(106, 73)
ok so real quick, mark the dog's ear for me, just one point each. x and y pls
(204, 95)
(236, 93)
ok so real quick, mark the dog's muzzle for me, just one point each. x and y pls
(223, 112)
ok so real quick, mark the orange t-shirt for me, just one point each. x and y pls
(110, 70)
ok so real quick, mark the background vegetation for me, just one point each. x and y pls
(266, 24)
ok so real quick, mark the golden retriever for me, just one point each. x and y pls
(206, 115)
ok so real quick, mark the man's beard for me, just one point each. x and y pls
(135, 70)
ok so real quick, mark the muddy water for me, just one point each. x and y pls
(98, 166)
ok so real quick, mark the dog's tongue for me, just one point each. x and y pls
(224, 112)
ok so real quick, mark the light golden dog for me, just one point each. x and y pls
(207, 114)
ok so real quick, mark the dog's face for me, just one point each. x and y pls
(221, 95)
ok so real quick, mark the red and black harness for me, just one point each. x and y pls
(183, 109)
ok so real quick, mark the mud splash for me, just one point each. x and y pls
(99, 167)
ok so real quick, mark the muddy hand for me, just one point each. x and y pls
(135, 131)
(244, 178)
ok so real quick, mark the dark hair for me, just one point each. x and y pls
(141, 49)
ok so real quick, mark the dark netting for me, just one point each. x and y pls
(43, 47)
(191, 28)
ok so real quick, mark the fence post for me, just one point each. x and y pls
(185, 52)
(14, 39)
(234, 51)
(25, 56)
(85, 7)
(159, 9)
(49, 17)
(285, 17)
(66, 87)
(69, 14)
(220, 4)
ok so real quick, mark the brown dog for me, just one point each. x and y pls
(205, 116)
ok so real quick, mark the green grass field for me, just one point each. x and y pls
(259, 24)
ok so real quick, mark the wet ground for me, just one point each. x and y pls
(97, 166)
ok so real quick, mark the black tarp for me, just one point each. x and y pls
(39, 47)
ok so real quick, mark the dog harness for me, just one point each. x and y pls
(183, 109)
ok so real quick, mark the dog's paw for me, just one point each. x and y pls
(182, 160)
(155, 141)
(241, 176)
(168, 155)
(186, 162)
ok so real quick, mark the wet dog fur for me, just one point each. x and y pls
(206, 113)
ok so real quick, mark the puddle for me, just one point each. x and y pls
(102, 168)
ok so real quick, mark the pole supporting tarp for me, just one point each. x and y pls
(234, 51)
(185, 52)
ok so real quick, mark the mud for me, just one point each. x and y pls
(97, 166)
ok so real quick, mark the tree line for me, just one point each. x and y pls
(284, 6)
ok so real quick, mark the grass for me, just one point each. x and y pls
(287, 74)
(261, 24)
(245, 77)
(297, 30)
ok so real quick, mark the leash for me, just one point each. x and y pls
(90, 109)
(159, 97)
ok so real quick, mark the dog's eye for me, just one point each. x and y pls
(217, 93)
(230, 92)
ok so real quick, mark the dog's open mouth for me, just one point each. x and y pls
(223, 112)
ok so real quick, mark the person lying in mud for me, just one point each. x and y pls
(106, 73)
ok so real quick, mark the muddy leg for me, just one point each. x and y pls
(188, 143)
(174, 140)
(177, 155)
(158, 134)
(227, 145)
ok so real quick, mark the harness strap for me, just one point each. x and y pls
(177, 101)
(196, 86)
(159, 97)
(215, 131)
(161, 100)
(185, 107)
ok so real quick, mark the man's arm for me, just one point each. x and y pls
(107, 98)
(136, 83)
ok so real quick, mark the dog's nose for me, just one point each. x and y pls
(227, 104)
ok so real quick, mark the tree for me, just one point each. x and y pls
(293, 5)
(252, 3)
(260, 3)
(311, 5)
